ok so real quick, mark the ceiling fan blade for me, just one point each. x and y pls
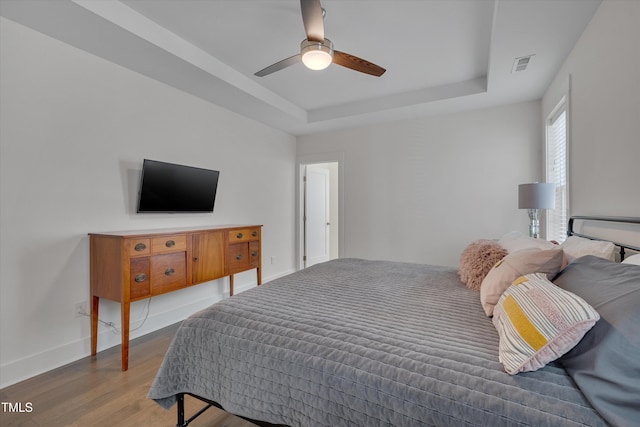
(357, 64)
(292, 60)
(313, 20)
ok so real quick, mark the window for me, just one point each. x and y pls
(556, 172)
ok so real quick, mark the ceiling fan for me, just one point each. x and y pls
(316, 52)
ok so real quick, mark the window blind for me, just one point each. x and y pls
(556, 172)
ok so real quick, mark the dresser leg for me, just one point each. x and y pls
(231, 285)
(125, 311)
(95, 305)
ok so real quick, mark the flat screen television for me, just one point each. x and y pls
(172, 188)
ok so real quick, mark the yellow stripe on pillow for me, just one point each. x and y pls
(520, 280)
(522, 324)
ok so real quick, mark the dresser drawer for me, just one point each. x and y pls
(174, 243)
(168, 272)
(244, 235)
(238, 257)
(140, 279)
(254, 254)
(139, 247)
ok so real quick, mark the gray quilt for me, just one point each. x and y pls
(362, 343)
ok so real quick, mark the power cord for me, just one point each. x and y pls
(113, 326)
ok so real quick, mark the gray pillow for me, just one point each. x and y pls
(606, 362)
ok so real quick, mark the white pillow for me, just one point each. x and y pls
(633, 259)
(515, 241)
(575, 247)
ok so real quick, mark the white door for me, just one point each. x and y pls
(316, 224)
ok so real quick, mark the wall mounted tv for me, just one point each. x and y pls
(172, 188)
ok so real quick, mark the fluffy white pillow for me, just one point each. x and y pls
(633, 259)
(515, 241)
(575, 247)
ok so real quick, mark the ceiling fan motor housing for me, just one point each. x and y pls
(316, 55)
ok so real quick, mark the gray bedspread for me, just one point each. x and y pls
(362, 343)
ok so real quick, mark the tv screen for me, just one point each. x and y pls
(171, 188)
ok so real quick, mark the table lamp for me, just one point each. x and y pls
(534, 197)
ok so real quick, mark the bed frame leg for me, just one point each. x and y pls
(180, 399)
(180, 407)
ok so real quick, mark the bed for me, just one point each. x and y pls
(378, 343)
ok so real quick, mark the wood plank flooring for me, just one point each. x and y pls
(95, 392)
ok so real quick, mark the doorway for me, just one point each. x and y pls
(320, 213)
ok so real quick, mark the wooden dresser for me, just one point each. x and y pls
(134, 265)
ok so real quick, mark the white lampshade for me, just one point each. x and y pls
(537, 195)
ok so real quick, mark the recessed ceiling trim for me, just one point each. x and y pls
(390, 102)
(135, 34)
(123, 16)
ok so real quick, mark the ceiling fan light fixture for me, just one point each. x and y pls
(316, 55)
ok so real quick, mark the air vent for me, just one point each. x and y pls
(521, 64)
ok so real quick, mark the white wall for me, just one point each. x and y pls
(74, 131)
(421, 190)
(604, 119)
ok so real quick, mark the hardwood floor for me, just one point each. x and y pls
(95, 392)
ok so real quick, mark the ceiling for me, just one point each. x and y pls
(441, 55)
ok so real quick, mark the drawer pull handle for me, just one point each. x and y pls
(170, 243)
(140, 277)
(254, 253)
(169, 271)
(140, 247)
(239, 257)
(195, 258)
(239, 235)
(254, 234)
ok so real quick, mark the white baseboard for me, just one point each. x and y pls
(39, 363)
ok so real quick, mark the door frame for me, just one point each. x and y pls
(310, 159)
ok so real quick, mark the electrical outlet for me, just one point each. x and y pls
(273, 260)
(81, 309)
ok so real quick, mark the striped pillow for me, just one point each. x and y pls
(538, 322)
